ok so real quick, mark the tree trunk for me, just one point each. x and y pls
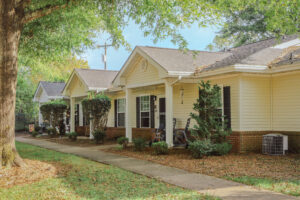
(10, 30)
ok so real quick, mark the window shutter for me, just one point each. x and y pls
(138, 112)
(227, 106)
(152, 102)
(116, 112)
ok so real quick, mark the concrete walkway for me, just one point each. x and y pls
(194, 181)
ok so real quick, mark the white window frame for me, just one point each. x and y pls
(145, 111)
(118, 112)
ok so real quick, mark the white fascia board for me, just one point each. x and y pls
(97, 89)
(179, 73)
(250, 67)
(288, 44)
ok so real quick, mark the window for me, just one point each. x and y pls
(121, 112)
(145, 111)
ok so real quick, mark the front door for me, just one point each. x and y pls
(162, 113)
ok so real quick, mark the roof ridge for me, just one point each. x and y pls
(285, 37)
(179, 49)
(107, 70)
(52, 81)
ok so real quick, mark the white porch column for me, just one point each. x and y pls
(80, 115)
(169, 113)
(91, 128)
(72, 114)
(40, 115)
(129, 113)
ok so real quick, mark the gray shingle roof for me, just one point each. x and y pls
(94, 78)
(259, 53)
(53, 88)
(177, 60)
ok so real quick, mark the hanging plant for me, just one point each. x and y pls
(53, 112)
(96, 108)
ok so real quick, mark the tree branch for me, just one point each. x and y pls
(30, 16)
(23, 4)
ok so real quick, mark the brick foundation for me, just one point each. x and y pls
(251, 141)
(114, 133)
(145, 133)
(242, 141)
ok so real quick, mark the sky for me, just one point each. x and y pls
(197, 38)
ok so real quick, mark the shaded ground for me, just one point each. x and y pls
(33, 171)
(277, 173)
(81, 141)
(86, 179)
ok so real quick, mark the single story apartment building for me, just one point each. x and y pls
(46, 92)
(260, 90)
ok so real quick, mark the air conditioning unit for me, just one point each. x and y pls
(275, 144)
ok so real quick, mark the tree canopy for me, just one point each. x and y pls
(247, 21)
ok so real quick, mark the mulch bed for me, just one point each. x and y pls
(33, 171)
(79, 142)
(232, 165)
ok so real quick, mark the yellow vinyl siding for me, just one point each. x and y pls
(286, 102)
(111, 114)
(182, 111)
(77, 88)
(255, 103)
(140, 76)
(234, 83)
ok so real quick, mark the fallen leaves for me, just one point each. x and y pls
(33, 171)
(232, 165)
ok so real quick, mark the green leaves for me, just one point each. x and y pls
(208, 115)
(248, 21)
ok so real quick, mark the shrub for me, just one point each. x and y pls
(34, 133)
(72, 136)
(37, 128)
(123, 141)
(200, 148)
(52, 132)
(99, 136)
(53, 111)
(139, 144)
(222, 148)
(97, 108)
(160, 148)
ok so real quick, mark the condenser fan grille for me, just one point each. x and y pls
(273, 144)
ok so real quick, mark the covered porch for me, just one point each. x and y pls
(143, 109)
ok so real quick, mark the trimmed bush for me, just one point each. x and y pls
(99, 136)
(96, 108)
(72, 136)
(222, 148)
(123, 141)
(200, 148)
(37, 128)
(160, 148)
(53, 111)
(52, 132)
(34, 133)
(139, 144)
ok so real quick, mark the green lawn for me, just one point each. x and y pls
(91, 180)
(290, 187)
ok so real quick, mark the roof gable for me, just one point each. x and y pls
(92, 79)
(51, 89)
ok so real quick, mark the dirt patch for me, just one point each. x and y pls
(232, 165)
(33, 171)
